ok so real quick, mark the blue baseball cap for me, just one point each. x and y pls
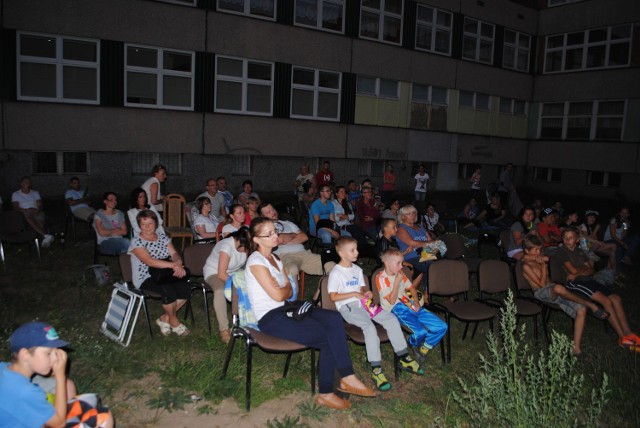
(36, 334)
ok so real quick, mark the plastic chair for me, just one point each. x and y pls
(266, 343)
(15, 230)
(450, 278)
(174, 218)
(494, 277)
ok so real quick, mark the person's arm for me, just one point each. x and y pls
(292, 238)
(223, 211)
(614, 235)
(201, 229)
(404, 236)
(392, 297)
(59, 418)
(596, 230)
(530, 275)
(153, 194)
(361, 294)
(223, 265)
(176, 263)
(122, 230)
(270, 285)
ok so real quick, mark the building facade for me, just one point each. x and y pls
(250, 89)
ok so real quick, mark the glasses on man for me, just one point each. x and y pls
(269, 235)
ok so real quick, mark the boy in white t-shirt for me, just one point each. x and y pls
(347, 289)
(400, 297)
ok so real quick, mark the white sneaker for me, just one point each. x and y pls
(48, 239)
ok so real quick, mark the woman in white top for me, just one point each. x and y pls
(268, 288)
(228, 256)
(236, 220)
(152, 186)
(138, 202)
(204, 224)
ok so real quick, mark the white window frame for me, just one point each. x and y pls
(479, 38)
(159, 72)
(60, 170)
(59, 63)
(433, 27)
(593, 119)
(429, 99)
(174, 166)
(377, 93)
(584, 47)
(320, 15)
(512, 106)
(316, 89)
(605, 179)
(244, 80)
(247, 10)
(475, 101)
(381, 17)
(517, 49)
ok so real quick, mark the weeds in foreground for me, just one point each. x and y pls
(312, 410)
(286, 422)
(513, 388)
(168, 400)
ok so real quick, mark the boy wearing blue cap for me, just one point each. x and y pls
(35, 349)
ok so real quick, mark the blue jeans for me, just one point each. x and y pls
(632, 242)
(426, 327)
(324, 235)
(113, 246)
(321, 329)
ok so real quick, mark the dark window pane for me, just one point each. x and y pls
(75, 162)
(45, 163)
(177, 61)
(38, 46)
(303, 77)
(79, 50)
(141, 57)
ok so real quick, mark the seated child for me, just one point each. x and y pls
(251, 209)
(394, 288)
(35, 349)
(536, 271)
(347, 289)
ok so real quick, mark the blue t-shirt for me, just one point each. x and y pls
(22, 404)
(321, 210)
(416, 235)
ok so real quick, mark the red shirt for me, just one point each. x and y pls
(324, 177)
(549, 230)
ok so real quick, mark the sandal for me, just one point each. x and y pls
(165, 327)
(600, 314)
(181, 330)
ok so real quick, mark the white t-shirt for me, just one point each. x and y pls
(146, 186)
(237, 259)
(75, 195)
(210, 225)
(260, 300)
(217, 203)
(289, 227)
(133, 213)
(26, 200)
(228, 228)
(346, 280)
(421, 182)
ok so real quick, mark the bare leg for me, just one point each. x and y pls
(616, 302)
(560, 290)
(35, 224)
(578, 329)
(613, 315)
(169, 315)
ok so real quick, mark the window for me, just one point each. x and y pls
(550, 175)
(182, 2)
(241, 165)
(591, 49)
(466, 170)
(370, 168)
(516, 50)
(244, 86)
(429, 94)
(58, 68)
(475, 100)
(144, 162)
(377, 87)
(513, 106)
(323, 14)
(60, 162)
(433, 30)
(477, 42)
(583, 120)
(265, 9)
(381, 20)
(604, 179)
(315, 94)
(157, 77)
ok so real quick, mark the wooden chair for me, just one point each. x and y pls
(450, 278)
(267, 343)
(174, 218)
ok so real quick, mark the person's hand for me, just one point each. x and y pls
(178, 270)
(571, 277)
(368, 294)
(59, 359)
(335, 234)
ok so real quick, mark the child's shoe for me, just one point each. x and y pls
(630, 341)
(410, 365)
(380, 379)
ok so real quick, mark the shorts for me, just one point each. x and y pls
(84, 411)
(568, 307)
(514, 252)
(587, 288)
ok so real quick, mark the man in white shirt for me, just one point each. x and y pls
(294, 256)
(28, 202)
(78, 200)
(217, 200)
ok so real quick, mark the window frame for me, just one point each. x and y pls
(606, 179)
(546, 174)
(317, 89)
(155, 158)
(160, 73)
(512, 107)
(60, 165)
(247, 10)
(479, 38)
(434, 29)
(247, 160)
(429, 99)
(378, 93)
(583, 48)
(381, 19)
(320, 16)
(475, 101)
(593, 117)
(59, 62)
(516, 50)
(245, 81)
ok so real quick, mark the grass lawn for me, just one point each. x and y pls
(60, 291)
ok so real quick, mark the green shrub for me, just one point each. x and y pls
(516, 388)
